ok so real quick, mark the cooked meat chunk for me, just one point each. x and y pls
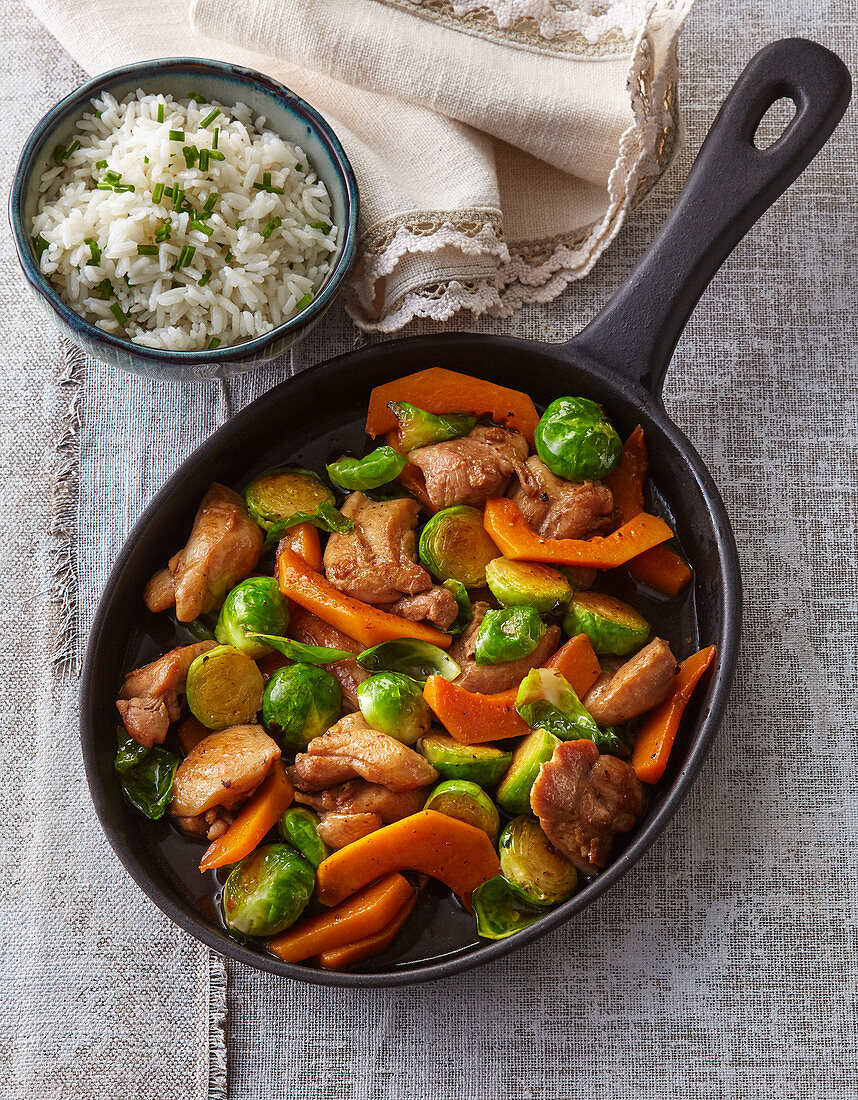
(307, 628)
(581, 577)
(338, 830)
(359, 797)
(212, 824)
(560, 509)
(471, 469)
(224, 547)
(222, 770)
(437, 605)
(149, 700)
(583, 799)
(377, 561)
(160, 595)
(351, 748)
(636, 687)
(487, 679)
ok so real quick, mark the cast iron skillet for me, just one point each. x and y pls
(619, 360)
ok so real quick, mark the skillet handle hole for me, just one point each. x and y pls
(774, 123)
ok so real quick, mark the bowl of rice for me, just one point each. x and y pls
(184, 218)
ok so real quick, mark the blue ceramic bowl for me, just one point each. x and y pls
(286, 114)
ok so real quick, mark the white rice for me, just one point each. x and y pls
(262, 272)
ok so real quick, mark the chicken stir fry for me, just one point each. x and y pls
(456, 683)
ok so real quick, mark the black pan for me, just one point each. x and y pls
(619, 360)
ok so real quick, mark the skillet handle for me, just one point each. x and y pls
(730, 185)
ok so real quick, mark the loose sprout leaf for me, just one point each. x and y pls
(500, 910)
(546, 700)
(129, 752)
(416, 659)
(377, 468)
(463, 601)
(326, 517)
(147, 778)
(298, 651)
(418, 428)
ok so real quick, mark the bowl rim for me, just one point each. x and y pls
(66, 108)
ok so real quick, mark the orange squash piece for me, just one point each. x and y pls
(662, 569)
(459, 855)
(438, 390)
(338, 958)
(190, 733)
(471, 718)
(360, 916)
(577, 661)
(303, 539)
(658, 731)
(366, 624)
(255, 818)
(627, 481)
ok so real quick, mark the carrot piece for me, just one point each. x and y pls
(661, 569)
(577, 661)
(303, 539)
(366, 624)
(471, 718)
(360, 916)
(458, 854)
(627, 481)
(190, 733)
(338, 958)
(517, 540)
(441, 391)
(658, 731)
(254, 820)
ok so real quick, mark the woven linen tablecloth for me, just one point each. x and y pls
(724, 964)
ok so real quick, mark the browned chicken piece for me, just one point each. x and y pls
(640, 684)
(338, 830)
(223, 549)
(436, 605)
(149, 700)
(359, 797)
(583, 800)
(212, 824)
(560, 509)
(307, 628)
(471, 469)
(350, 749)
(377, 561)
(223, 769)
(488, 679)
(581, 577)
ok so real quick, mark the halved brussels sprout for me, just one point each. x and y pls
(298, 827)
(613, 627)
(533, 865)
(454, 545)
(377, 468)
(418, 428)
(267, 891)
(576, 440)
(146, 775)
(528, 584)
(325, 516)
(257, 605)
(300, 651)
(224, 688)
(466, 801)
(546, 700)
(393, 703)
(416, 659)
(500, 909)
(463, 602)
(300, 702)
(282, 491)
(513, 793)
(481, 764)
(507, 635)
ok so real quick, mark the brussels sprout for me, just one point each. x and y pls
(500, 909)
(507, 635)
(224, 688)
(282, 491)
(416, 659)
(576, 440)
(528, 584)
(469, 803)
(300, 702)
(533, 865)
(298, 827)
(146, 775)
(300, 651)
(267, 891)
(255, 605)
(454, 545)
(481, 764)
(463, 601)
(418, 428)
(393, 703)
(325, 516)
(377, 468)
(546, 700)
(612, 626)
(513, 794)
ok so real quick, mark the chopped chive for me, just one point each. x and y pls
(211, 202)
(275, 223)
(210, 117)
(227, 258)
(102, 186)
(111, 177)
(94, 250)
(145, 160)
(158, 192)
(215, 137)
(163, 232)
(59, 154)
(160, 112)
(147, 250)
(104, 290)
(190, 153)
(174, 285)
(323, 227)
(239, 224)
(205, 277)
(299, 167)
(204, 160)
(120, 187)
(101, 164)
(201, 227)
(195, 97)
(127, 280)
(178, 195)
(266, 179)
(185, 256)
(98, 114)
(176, 135)
(116, 310)
(215, 154)
(40, 244)
(302, 303)
(213, 343)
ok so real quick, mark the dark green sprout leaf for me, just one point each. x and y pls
(547, 701)
(463, 601)
(298, 651)
(416, 659)
(325, 516)
(500, 910)
(129, 752)
(147, 782)
(377, 468)
(418, 428)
